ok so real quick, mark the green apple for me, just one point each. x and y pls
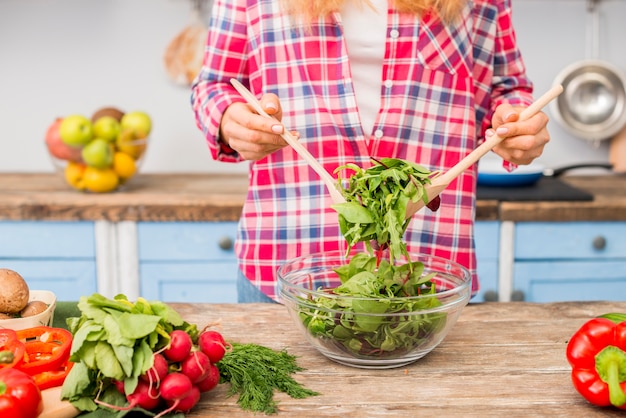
(76, 130)
(139, 123)
(98, 153)
(106, 127)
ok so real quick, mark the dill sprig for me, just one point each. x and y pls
(255, 371)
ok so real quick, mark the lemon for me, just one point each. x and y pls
(74, 173)
(100, 180)
(124, 165)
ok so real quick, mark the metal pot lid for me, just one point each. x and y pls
(593, 105)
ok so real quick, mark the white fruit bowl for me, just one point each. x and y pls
(43, 318)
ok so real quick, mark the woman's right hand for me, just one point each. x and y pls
(253, 136)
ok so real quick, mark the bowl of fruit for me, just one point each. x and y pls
(101, 153)
(365, 311)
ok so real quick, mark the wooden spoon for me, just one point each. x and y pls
(442, 181)
(329, 181)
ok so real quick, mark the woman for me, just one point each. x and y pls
(421, 80)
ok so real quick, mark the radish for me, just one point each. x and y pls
(144, 396)
(213, 345)
(179, 346)
(196, 366)
(211, 381)
(174, 388)
(188, 402)
(157, 372)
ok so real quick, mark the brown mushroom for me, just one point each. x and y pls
(14, 292)
(33, 308)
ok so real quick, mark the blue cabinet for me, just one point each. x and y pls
(570, 261)
(487, 237)
(187, 261)
(55, 256)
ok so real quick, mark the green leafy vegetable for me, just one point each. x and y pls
(114, 339)
(255, 372)
(376, 203)
(391, 326)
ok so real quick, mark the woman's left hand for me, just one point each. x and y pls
(523, 140)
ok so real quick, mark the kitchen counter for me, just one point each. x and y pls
(219, 197)
(500, 359)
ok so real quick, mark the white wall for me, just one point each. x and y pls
(73, 56)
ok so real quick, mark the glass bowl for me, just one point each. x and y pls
(370, 332)
(127, 157)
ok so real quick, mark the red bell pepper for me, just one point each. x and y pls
(46, 349)
(597, 354)
(19, 395)
(11, 349)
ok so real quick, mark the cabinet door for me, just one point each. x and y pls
(570, 261)
(50, 255)
(557, 281)
(487, 237)
(188, 261)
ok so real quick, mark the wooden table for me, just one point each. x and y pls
(500, 360)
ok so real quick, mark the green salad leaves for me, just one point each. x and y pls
(374, 312)
(376, 202)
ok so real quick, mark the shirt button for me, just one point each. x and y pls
(394, 33)
(378, 133)
(388, 84)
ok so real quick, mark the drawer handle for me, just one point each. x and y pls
(490, 296)
(517, 296)
(599, 242)
(225, 243)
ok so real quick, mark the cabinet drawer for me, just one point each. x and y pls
(570, 240)
(199, 282)
(556, 281)
(68, 279)
(186, 240)
(25, 239)
(487, 239)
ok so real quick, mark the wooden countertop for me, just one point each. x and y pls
(219, 197)
(499, 360)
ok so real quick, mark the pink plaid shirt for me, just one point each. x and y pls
(440, 85)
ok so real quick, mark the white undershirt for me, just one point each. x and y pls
(365, 33)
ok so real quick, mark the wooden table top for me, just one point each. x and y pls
(219, 197)
(499, 360)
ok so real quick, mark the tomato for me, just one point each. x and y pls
(19, 395)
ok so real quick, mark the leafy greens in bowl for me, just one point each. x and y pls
(368, 312)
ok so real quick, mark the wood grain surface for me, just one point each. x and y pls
(500, 360)
(219, 197)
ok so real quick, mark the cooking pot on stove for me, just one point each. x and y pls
(593, 103)
(492, 173)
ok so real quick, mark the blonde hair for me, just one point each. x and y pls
(308, 10)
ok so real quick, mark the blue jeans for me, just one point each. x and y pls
(249, 293)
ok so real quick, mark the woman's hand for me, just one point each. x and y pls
(253, 136)
(523, 140)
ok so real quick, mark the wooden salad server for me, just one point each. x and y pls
(329, 181)
(442, 181)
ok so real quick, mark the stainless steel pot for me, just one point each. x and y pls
(593, 104)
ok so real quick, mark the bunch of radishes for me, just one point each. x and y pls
(180, 373)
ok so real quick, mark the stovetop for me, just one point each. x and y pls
(546, 189)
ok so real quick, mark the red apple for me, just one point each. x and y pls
(57, 147)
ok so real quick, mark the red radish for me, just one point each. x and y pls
(144, 396)
(174, 388)
(179, 346)
(196, 366)
(186, 403)
(213, 345)
(157, 372)
(211, 381)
